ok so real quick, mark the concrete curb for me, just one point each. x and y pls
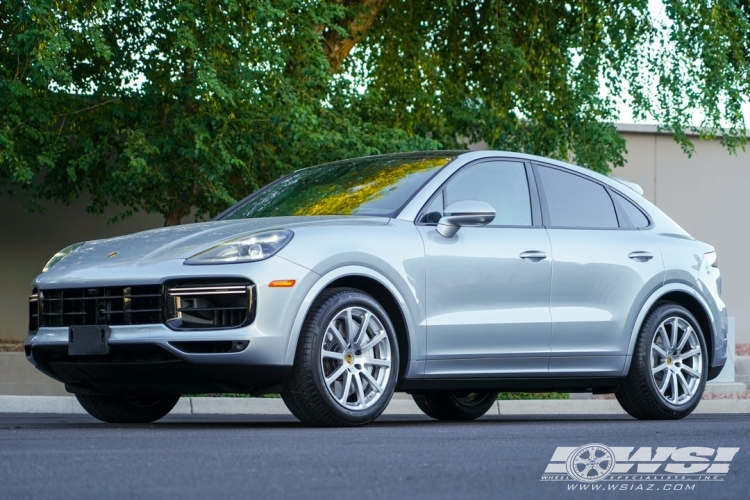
(67, 405)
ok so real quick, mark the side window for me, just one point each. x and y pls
(632, 212)
(502, 184)
(574, 201)
(434, 210)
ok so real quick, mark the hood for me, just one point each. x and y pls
(182, 242)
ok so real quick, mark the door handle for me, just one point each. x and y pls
(533, 255)
(641, 256)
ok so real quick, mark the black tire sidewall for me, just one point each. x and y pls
(644, 357)
(331, 308)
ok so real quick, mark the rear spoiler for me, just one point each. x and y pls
(632, 185)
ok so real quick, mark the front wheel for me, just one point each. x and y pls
(346, 364)
(669, 368)
(127, 410)
(460, 405)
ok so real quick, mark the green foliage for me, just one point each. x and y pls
(532, 395)
(178, 106)
(545, 77)
(230, 395)
(172, 105)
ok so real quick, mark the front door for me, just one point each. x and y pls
(488, 287)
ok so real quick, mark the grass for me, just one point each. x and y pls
(532, 395)
(502, 395)
(229, 395)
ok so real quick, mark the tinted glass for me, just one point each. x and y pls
(365, 186)
(632, 212)
(501, 184)
(574, 201)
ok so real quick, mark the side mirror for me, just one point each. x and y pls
(465, 213)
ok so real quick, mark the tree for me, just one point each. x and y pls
(169, 106)
(174, 106)
(546, 77)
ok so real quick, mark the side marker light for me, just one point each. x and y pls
(282, 283)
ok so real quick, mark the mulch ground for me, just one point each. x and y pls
(11, 345)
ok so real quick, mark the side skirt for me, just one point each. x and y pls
(596, 385)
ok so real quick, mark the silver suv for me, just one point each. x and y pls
(447, 275)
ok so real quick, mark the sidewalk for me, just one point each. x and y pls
(67, 405)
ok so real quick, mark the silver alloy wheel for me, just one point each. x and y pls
(676, 361)
(356, 358)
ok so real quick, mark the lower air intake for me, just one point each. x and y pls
(203, 306)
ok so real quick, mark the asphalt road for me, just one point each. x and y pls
(221, 457)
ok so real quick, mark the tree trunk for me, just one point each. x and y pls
(362, 13)
(174, 217)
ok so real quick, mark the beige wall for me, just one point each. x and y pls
(706, 194)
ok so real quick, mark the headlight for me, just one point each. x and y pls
(249, 248)
(61, 255)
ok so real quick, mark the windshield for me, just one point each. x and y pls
(378, 185)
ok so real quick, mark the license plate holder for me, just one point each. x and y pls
(88, 340)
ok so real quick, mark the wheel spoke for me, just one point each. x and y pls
(659, 368)
(663, 388)
(373, 342)
(336, 374)
(692, 352)
(685, 337)
(661, 351)
(362, 329)
(333, 355)
(661, 332)
(377, 362)
(675, 331)
(337, 335)
(372, 381)
(675, 390)
(351, 327)
(690, 371)
(684, 383)
(360, 390)
(347, 386)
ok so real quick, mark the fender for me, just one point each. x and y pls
(331, 276)
(653, 298)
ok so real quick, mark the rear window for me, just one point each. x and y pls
(633, 213)
(576, 202)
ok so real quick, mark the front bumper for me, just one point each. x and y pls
(152, 359)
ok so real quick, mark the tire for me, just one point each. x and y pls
(330, 346)
(459, 405)
(663, 395)
(127, 410)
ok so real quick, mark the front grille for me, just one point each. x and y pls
(132, 305)
(199, 306)
(34, 310)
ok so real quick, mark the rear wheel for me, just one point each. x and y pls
(669, 368)
(346, 364)
(459, 405)
(127, 410)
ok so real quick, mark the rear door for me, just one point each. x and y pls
(605, 263)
